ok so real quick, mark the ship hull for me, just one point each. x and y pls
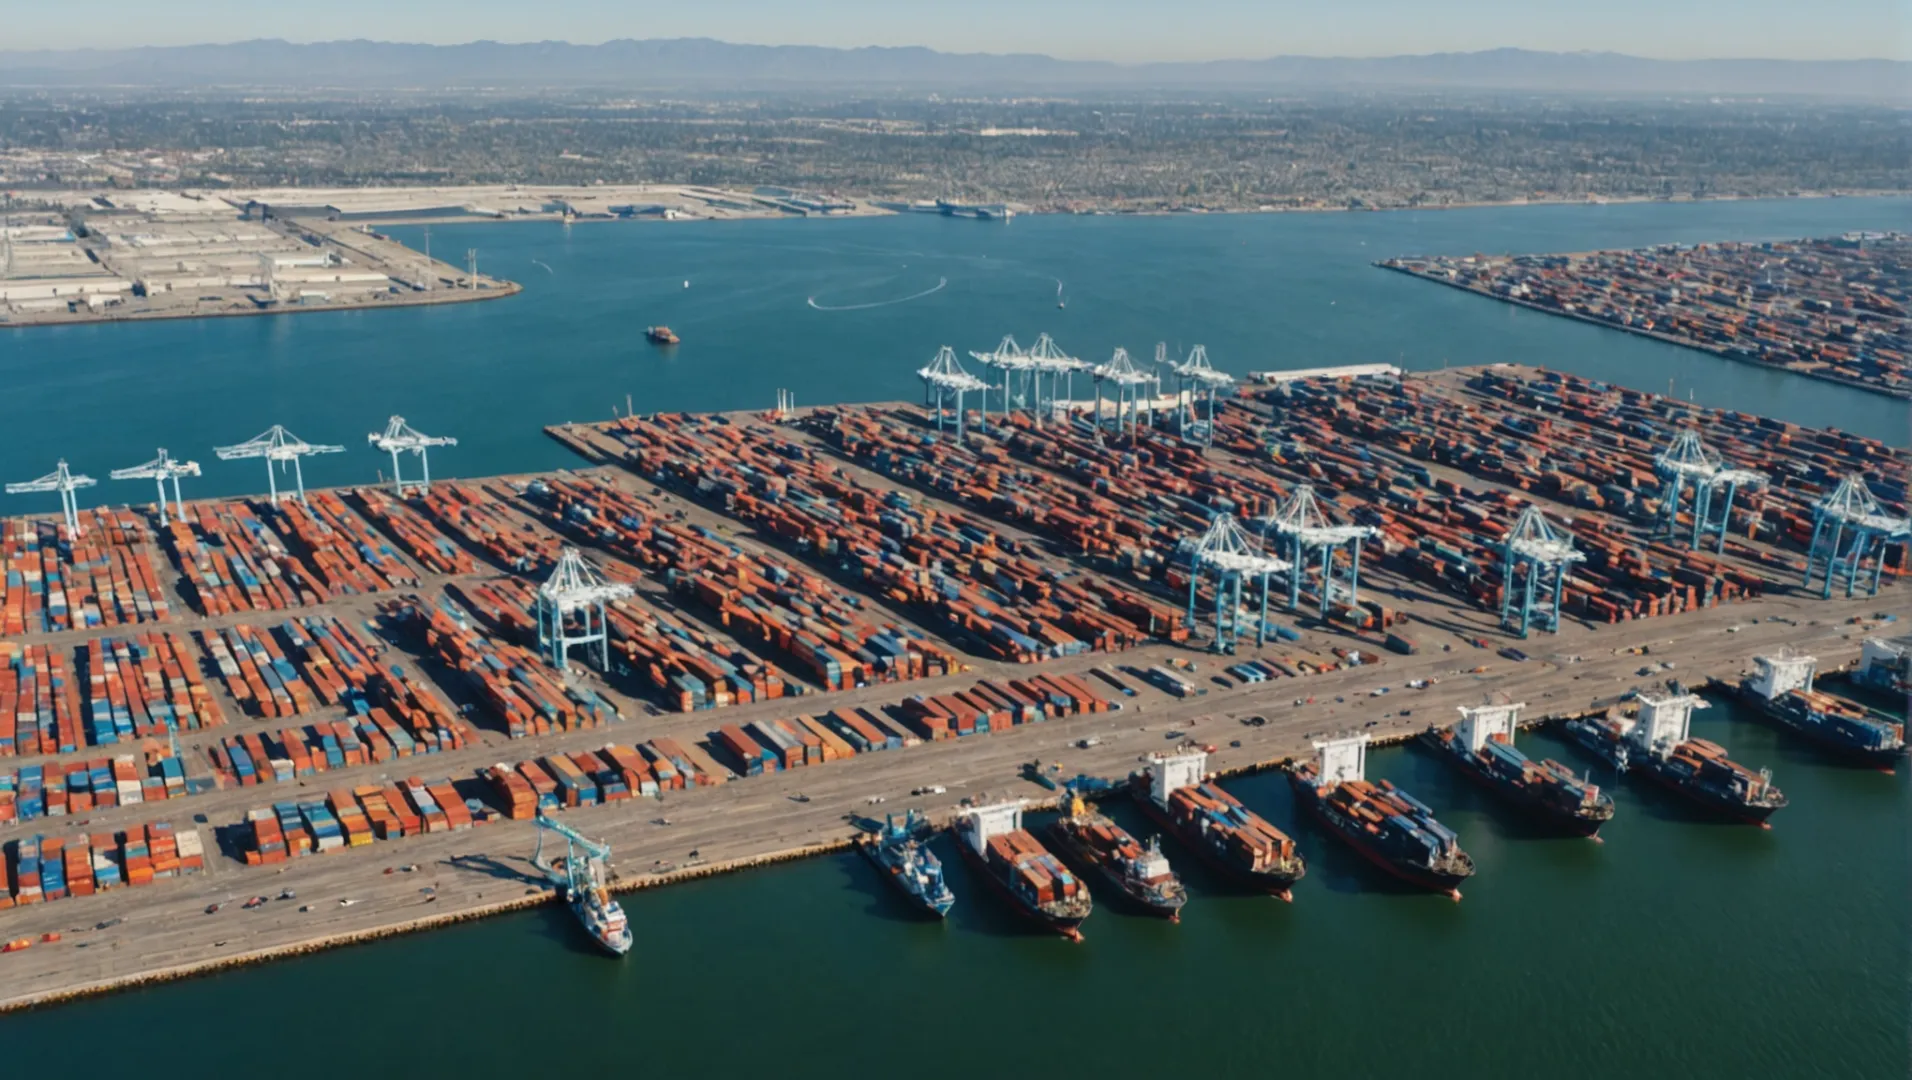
(613, 945)
(1066, 925)
(1554, 817)
(1421, 877)
(1276, 883)
(927, 905)
(1820, 737)
(1082, 856)
(1702, 798)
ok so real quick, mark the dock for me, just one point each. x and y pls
(978, 604)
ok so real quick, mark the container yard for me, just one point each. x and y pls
(1832, 308)
(774, 625)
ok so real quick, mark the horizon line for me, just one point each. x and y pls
(944, 52)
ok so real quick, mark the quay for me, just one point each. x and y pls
(920, 570)
(1833, 309)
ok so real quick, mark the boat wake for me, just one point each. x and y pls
(936, 288)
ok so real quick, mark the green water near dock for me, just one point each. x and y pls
(1680, 947)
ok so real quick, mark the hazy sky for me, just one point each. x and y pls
(1126, 30)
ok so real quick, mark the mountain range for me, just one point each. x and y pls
(709, 64)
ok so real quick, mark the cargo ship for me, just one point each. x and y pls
(1227, 835)
(1141, 873)
(1656, 743)
(582, 876)
(1387, 826)
(1885, 665)
(1482, 747)
(1016, 865)
(660, 335)
(903, 856)
(1781, 692)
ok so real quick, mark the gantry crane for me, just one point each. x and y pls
(1685, 461)
(277, 445)
(162, 469)
(944, 378)
(1302, 529)
(1534, 562)
(576, 586)
(1128, 380)
(1849, 526)
(397, 436)
(1196, 378)
(1227, 553)
(579, 874)
(66, 483)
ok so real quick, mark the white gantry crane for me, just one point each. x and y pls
(576, 586)
(162, 469)
(944, 379)
(1535, 558)
(1848, 527)
(1047, 358)
(1228, 554)
(1006, 357)
(397, 436)
(1196, 378)
(277, 446)
(1129, 381)
(1688, 461)
(64, 481)
(1302, 529)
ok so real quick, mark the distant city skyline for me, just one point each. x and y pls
(1126, 31)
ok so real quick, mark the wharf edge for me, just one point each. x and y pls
(330, 942)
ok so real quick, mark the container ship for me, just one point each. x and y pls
(1390, 828)
(1016, 865)
(1482, 747)
(900, 852)
(1085, 837)
(1885, 665)
(582, 875)
(1781, 692)
(1657, 743)
(1226, 834)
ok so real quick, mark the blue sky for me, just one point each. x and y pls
(1125, 30)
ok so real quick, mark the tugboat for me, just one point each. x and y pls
(901, 852)
(1227, 835)
(1656, 743)
(660, 335)
(1482, 747)
(1781, 692)
(1017, 866)
(1088, 838)
(582, 877)
(1387, 826)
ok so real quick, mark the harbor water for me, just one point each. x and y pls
(842, 311)
(1679, 946)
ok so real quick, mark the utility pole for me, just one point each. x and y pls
(430, 273)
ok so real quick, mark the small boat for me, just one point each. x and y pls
(660, 335)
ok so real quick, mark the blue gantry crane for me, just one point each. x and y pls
(1227, 554)
(1534, 563)
(1849, 527)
